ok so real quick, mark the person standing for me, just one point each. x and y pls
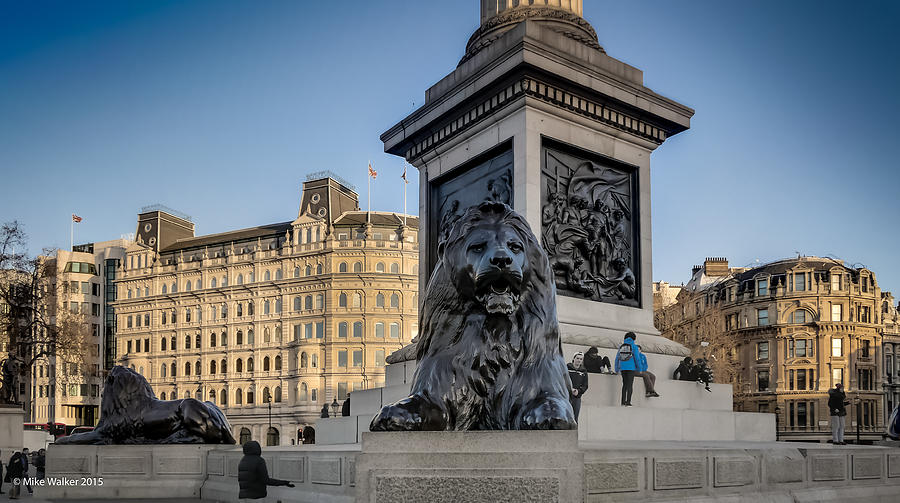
(253, 476)
(628, 362)
(837, 402)
(40, 462)
(14, 475)
(25, 454)
(578, 376)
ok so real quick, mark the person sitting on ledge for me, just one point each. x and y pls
(702, 373)
(594, 363)
(683, 372)
(648, 377)
(253, 476)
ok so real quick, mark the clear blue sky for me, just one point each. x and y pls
(220, 108)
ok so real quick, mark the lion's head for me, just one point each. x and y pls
(490, 265)
(126, 395)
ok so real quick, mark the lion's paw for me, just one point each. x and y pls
(549, 415)
(409, 414)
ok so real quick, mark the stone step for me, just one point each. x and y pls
(370, 401)
(641, 423)
(606, 390)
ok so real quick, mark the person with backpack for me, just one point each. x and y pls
(629, 360)
(578, 376)
(837, 405)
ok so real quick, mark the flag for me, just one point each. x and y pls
(372, 172)
(403, 176)
(76, 218)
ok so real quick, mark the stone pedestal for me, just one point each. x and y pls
(538, 116)
(473, 467)
(11, 429)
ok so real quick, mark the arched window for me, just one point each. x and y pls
(129, 293)
(173, 343)
(141, 370)
(266, 364)
(297, 272)
(342, 329)
(279, 274)
(308, 271)
(395, 300)
(357, 300)
(239, 365)
(320, 301)
(314, 361)
(395, 331)
(187, 342)
(304, 392)
(267, 396)
(272, 436)
(297, 303)
(277, 362)
(379, 300)
(342, 267)
(357, 267)
(278, 334)
(267, 336)
(223, 366)
(162, 370)
(198, 395)
(249, 397)
(187, 315)
(357, 329)
(342, 300)
(212, 284)
(212, 340)
(277, 394)
(164, 288)
(212, 396)
(173, 369)
(223, 397)
(198, 341)
(250, 364)
(799, 316)
(224, 339)
(212, 367)
(197, 285)
(245, 434)
(224, 311)
(379, 329)
(174, 288)
(250, 339)
(162, 396)
(197, 367)
(379, 267)
(162, 344)
(319, 269)
(238, 400)
(395, 268)
(239, 337)
(250, 308)
(278, 305)
(252, 277)
(187, 368)
(267, 276)
(304, 360)
(266, 306)
(224, 281)
(240, 309)
(307, 302)
(313, 395)
(187, 286)
(240, 279)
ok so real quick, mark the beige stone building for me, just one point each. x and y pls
(891, 345)
(273, 322)
(664, 294)
(784, 333)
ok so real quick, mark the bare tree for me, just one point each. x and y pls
(35, 322)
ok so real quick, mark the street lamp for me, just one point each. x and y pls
(334, 407)
(269, 403)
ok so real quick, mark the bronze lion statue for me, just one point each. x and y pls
(489, 354)
(130, 413)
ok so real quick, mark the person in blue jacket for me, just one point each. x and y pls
(629, 360)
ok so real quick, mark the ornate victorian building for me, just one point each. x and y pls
(784, 333)
(273, 322)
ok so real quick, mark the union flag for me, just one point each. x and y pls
(76, 218)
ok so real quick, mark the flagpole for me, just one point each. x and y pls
(405, 183)
(369, 197)
(72, 233)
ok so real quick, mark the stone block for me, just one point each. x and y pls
(893, 465)
(70, 465)
(730, 471)
(828, 467)
(215, 465)
(351, 471)
(187, 465)
(232, 462)
(754, 427)
(471, 489)
(325, 471)
(291, 467)
(866, 466)
(613, 476)
(708, 425)
(367, 401)
(123, 465)
(679, 473)
(784, 470)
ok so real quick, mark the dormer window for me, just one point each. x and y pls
(762, 287)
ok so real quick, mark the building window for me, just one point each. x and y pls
(379, 267)
(239, 310)
(837, 347)
(250, 308)
(866, 382)
(800, 348)
(357, 329)
(314, 361)
(342, 329)
(319, 269)
(278, 367)
(304, 392)
(837, 376)
(837, 312)
(342, 391)
(836, 282)
(308, 330)
(798, 316)
(762, 380)
(320, 330)
(342, 358)
(863, 314)
(800, 282)
(395, 268)
(249, 366)
(342, 300)
(379, 358)
(395, 300)
(212, 284)
(307, 303)
(762, 287)
(866, 351)
(762, 317)
(267, 363)
(762, 350)
(240, 279)
(320, 301)
(379, 330)
(395, 331)
(342, 267)
(357, 358)
(357, 267)
(379, 300)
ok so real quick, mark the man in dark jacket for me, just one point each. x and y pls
(837, 401)
(345, 409)
(25, 454)
(13, 473)
(579, 378)
(594, 363)
(324, 413)
(253, 476)
(684, 370)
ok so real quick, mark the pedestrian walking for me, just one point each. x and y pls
(628, 362)
(14, 475)
(578, 376)
(40, 462)
(837, 402)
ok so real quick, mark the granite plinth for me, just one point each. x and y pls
(11, 430)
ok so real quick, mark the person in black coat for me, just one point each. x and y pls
(579, 378)
(684, 370)
(837, 406)
(595, 363)
(253, 476)
(13, 472)
(324, 411)
(345, 409)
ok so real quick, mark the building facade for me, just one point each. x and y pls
(273, 322)
(65, 385)
(891, 345)
(784, 334)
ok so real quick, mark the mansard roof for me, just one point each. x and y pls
(248, 234)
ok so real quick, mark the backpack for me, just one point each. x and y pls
(625, 353)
